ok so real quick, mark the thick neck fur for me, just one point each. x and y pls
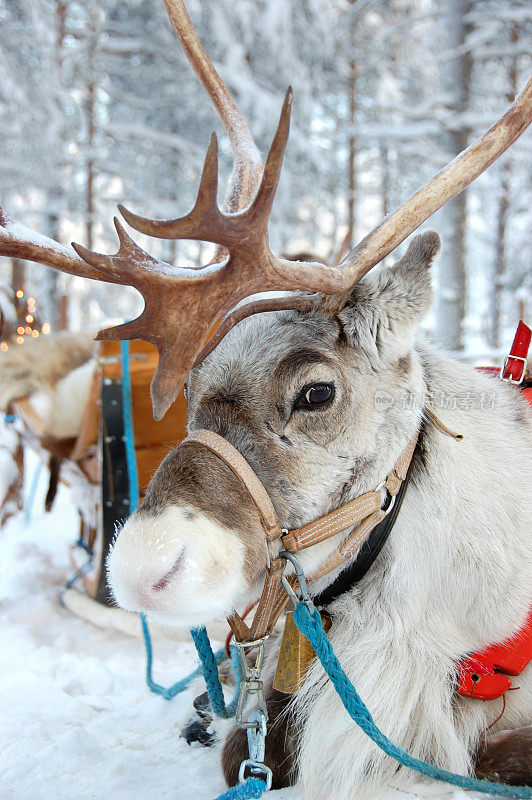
(453, 577)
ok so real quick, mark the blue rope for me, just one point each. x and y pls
(180, 686)
(9, 418)
(311, 627)
(253, 787)
(209, 667)
(209, 660)
(129, 433)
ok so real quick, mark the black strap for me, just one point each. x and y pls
(369, 550)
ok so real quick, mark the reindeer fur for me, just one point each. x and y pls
(455, 573)
(56, 371)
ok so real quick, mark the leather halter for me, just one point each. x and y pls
(365, 512)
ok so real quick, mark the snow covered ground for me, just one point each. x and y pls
(76, 718)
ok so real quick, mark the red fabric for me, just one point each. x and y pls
(483, 674)
(515, 368)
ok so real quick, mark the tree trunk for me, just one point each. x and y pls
(352, 159)
(90, 103)
(352, 166)
(451, 296)
(385, 179)
(17, 274)
(50, 281)
(499, 270)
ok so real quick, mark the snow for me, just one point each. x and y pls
(19, 232)
(8, 475)
(77, 718)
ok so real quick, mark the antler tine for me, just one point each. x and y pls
(247, 163)
(206, 221)
(18, 241)
(129, 265)
(205, 208)
(259, 211)
(448, 183)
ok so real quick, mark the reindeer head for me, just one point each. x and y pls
(293, 390)
(297, 394)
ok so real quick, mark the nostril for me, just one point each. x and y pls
(165, 580)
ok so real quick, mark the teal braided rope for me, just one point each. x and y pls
(129, 433)
(209, 668)
(311, 627)
(253, 787)
(168, 693)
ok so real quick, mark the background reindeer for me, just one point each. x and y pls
(55, 372)
(294, 391)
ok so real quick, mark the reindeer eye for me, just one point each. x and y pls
(318, 395)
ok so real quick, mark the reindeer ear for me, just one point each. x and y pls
(385, 308)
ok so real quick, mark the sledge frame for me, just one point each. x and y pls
(94, 464)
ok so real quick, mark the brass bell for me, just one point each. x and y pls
(295, 655)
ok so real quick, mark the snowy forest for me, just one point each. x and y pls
(103, 518)
(99, 106)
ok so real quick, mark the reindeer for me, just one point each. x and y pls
(55, 373)
(321, 390)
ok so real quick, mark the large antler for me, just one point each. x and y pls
(183, 305)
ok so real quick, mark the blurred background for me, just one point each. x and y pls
(98, 106)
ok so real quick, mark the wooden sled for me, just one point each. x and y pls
(94, 464)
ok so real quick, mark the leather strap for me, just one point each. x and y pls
(441, 427)
(514, 368)
(271, 605)
(366, 510)
(336, 521)
(349, 514)
(238, 464)
(368, 551)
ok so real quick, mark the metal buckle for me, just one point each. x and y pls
(256, 769)
(519, 380)
(300, 575)
(251, 683)
(256, 723)
(256, 735)
(388, 503)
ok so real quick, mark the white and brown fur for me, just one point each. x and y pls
(56, 372)
(454, 575)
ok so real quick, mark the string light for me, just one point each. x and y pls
(31, 301)
(29, 318)
(46, 328)
(20, 340)
(4, 346)
(19, 293)
(35, 334)
(20, 330)
(27, 330)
